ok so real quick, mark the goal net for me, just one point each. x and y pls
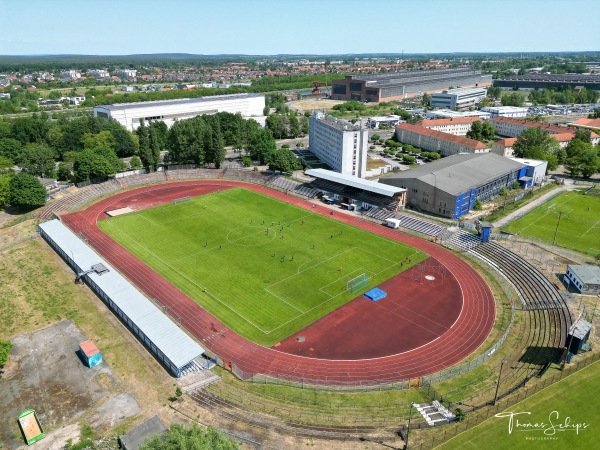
(181, 200)
(357, 283)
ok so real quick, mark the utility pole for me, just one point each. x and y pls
(504, 361)
(408, 429)
(560, 213)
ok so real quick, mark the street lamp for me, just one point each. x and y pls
(408, 429)
(560, 213)
(504, 361)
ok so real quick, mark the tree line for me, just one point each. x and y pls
(580, 157)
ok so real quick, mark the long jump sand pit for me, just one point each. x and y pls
(119, 211)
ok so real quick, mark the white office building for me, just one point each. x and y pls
(506, 111)
(130, 114)
(340, 144)
(458, 98)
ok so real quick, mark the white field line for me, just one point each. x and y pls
(323, 302)
(593, 226)
(190, 280)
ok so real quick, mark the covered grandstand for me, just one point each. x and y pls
(171, 346)
(354, 193)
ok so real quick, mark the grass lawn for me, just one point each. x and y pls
(579, 227)
(263, 285)
(37, 290)
(574, 398)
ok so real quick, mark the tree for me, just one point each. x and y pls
(478, 206)
(584, 135)
(283, 160)
(179, 437)
(102, 139)
(90, 165)
(145, 152)
(481, 131)
(594, 114)
(4, 190)
(581, 158)
(65, 171)
(261, 145)
(536, 143)
(513, 99)
(10, 148)
(426, 99)
(38, 160)
(494, 92)
(375, 137)
(5, 347)
(135, 163)
(26, 191)
(247, 161)
(6, 166)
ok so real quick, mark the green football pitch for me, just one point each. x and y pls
(262, 266)
(579, 227)
(571, 400)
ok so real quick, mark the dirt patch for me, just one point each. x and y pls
(113, 411)
(49, 377)
(309, 105)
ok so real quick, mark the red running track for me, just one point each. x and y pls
(470, 329)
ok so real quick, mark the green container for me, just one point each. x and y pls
(30, 426)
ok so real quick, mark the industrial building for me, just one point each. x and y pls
(506, 111)
(130, 114)
(165, 340)
(457, 98)
(585, 278)
(436, 141)
(399, 85)
(450, 186)
(548, 81)
(355, 194)
(340, 144)
(457, 127)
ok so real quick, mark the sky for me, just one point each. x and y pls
(269, 27)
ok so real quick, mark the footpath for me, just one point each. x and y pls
(531, 205)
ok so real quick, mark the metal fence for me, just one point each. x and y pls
(479, 414)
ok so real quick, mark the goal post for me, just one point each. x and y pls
(357, 283)
(181, 200)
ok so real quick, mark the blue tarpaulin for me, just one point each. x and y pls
(375, 294)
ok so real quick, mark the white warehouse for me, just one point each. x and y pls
(457, 98)
(338, 143)
(130, 114)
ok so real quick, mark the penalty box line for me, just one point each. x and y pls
(331, 298)
(191, 281)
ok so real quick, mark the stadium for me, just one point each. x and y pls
(184, 238)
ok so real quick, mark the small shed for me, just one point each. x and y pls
(484, 229)
(584, 277)
(579, 335)
(30, 426)
(90, 353)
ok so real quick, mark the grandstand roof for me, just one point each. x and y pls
(458, 173)
(355, 182)
(459, 140)
(176, 345)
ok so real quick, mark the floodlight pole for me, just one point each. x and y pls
(408, 429)
(560, 213)
(504, 361)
